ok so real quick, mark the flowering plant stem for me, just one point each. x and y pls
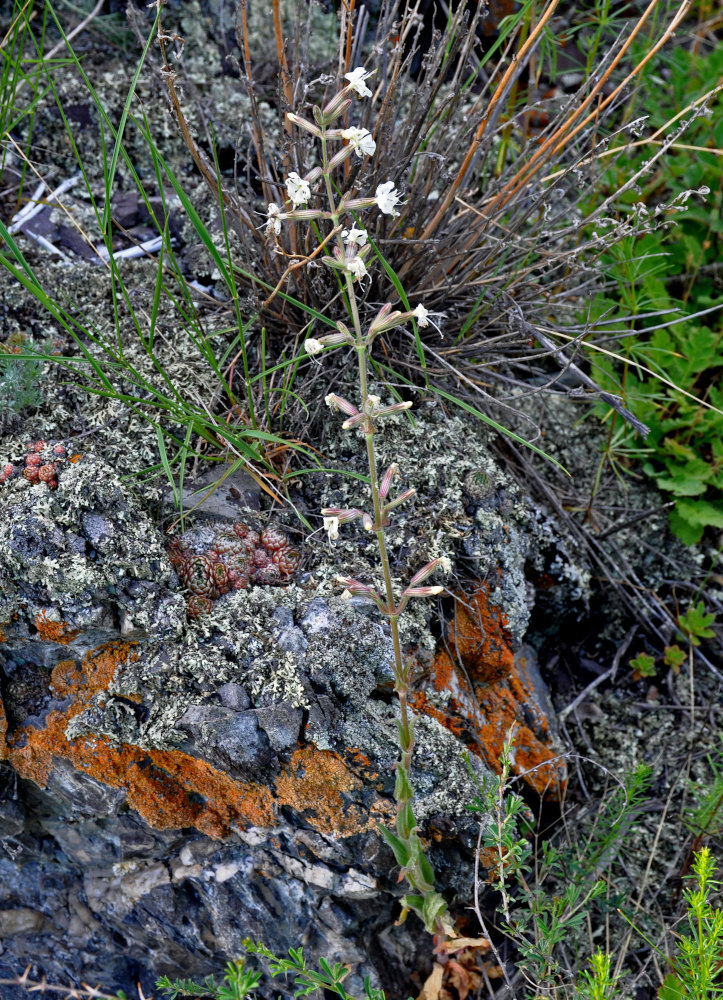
(401, 672)
(348, 258)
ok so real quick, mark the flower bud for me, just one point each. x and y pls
(343, 514)
(356, 588)
(339, 403)
(306, 214)
(386, 411)
(400, 499)
(337, 262)
(336, 107)
(422, 591)
(303, 123)
(385, 320)
(338, 158)
(352, 204)
(334, 339)
(387, 480)
(354, 421)
(424, 572)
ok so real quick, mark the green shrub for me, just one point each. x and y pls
(664, 303)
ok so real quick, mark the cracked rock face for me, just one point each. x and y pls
(171, 786)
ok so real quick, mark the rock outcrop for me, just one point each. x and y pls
(170, 786)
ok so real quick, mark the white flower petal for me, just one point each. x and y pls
(361, 140)
(420, 314)
(298, 189)
(331, 526)
(356, 236)
(357, 267)
(274, 215)
(356, 81)
(313, 346)
(387, 198)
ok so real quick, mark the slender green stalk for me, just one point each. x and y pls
(348, 260)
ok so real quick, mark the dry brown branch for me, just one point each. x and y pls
(286, 83)
(300, 263)
(237, 213)
(511, 73)
(552, 147)
(256, 129)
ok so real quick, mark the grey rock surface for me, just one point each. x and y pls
(175, 788)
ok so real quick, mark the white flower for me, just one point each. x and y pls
(445, 564)
(387, 198)
(274, 217)
(361, 140)
(298, 189)
(357, 267)
(420, 314)
(356, 81)
(331, 526)
(313, 346)
(356, 236)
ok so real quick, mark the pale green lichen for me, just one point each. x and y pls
(94, 536)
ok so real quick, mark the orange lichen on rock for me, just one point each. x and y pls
(171, 789)
(361, 760)
(481, 637)
(66, 678)
(419, 701)
(319, 784)
(478, 653)
(54, 631)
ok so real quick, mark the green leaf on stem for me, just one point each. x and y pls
(400, 851)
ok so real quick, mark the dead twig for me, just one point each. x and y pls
(607, 675)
